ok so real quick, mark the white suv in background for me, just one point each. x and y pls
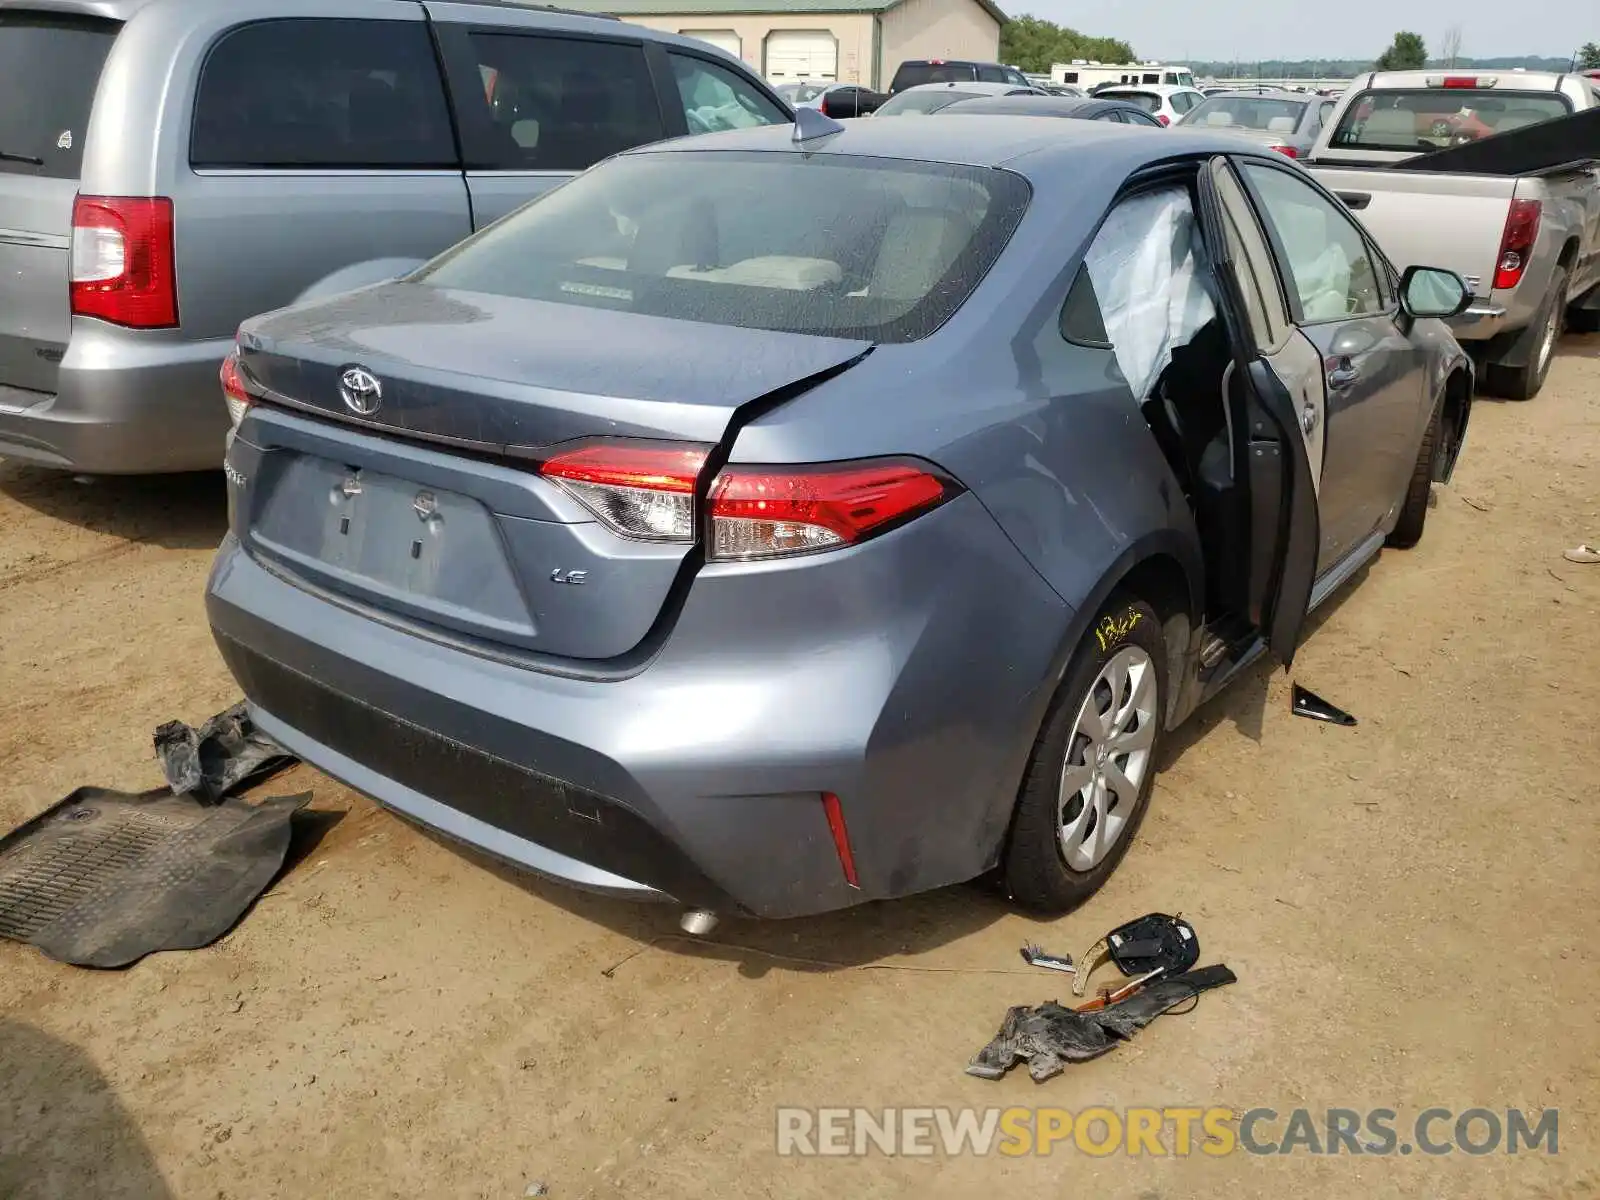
(1165, 102)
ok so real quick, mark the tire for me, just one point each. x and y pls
(1524, 382)
(1043, 869)
(1414, 512)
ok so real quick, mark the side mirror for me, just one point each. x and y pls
(1432, 292)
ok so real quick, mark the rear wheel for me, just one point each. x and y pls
(1524, 382)
(1414, 512)
(1089, 779)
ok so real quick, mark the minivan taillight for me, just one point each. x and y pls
(646, 491)
(122, 261)
(1516, 246)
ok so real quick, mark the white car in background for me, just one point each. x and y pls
(1167, 103)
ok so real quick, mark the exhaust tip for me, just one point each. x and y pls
(698, 922)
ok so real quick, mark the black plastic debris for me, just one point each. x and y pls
(103, 878)
(226, 754)
(1049, 1037)
(1314, 708)
(1154, 942)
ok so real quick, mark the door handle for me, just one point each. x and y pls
(1343, 374)
(1308, 419)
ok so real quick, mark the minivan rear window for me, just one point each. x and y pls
(879, 249)
(322, 93)
(49, 69)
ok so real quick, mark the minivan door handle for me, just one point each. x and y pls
(1343, 374)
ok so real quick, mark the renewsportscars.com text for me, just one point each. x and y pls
(1162, 1132)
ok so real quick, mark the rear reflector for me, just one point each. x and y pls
(233, 392)
(841, 837)
(122, 261)
(1516, 246)
(641, 490)
(769, 512)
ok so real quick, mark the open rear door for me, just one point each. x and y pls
(1273, 457)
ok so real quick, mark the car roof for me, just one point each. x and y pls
(1159, 89)
(1038, 150)
(123, 10)
(1264, 94)
(1028, 106)
(963, 85)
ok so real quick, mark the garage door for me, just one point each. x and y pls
(801, 54)
(722, 39)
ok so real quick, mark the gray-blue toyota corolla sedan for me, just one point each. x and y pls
(781, 519)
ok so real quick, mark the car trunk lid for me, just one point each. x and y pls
(49, 68)
(444, 519)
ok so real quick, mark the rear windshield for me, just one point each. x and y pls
(879, 249)
(1422, 120)
(920, 104)
(1148, 101)
(1248, 112)
(914, 74)
(49, 68)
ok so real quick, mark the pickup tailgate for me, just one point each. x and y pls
(1431, 220)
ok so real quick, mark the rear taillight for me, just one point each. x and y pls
(646, 491)
(233, 391)
(767, 512)
(122, 261)
(1287, 151)
(1164, 119)
(642, 490)
(1516, 246)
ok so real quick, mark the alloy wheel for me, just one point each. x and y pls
(1108, 757)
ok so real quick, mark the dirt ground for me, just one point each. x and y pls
(1404, 903)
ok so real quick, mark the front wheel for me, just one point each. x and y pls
(1090, 775)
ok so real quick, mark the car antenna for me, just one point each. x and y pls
(810, 124)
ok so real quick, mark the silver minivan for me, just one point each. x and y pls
(171, 167)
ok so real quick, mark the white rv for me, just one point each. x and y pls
(1091, 74)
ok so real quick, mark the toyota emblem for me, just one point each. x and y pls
(362, 392)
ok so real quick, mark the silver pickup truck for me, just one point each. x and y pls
(1510, 203)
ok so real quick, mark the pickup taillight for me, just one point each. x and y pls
(1516, 246)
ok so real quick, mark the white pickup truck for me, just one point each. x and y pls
(1518, 217)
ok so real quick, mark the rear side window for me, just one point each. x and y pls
(559, 104)
(49, 68)
(319, 93)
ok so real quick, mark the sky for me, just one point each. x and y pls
(1179, 30)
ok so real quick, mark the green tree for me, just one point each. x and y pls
(1589, 57)
(1034, 44)
(1407, 53)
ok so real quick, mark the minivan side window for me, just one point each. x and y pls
(322, 93)
(557, 104)
(715, 98)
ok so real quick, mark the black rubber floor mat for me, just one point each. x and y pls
(104, 878)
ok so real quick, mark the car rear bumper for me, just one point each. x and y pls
(907, 677)
(124, 405)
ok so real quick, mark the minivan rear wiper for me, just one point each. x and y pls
(7, 156)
